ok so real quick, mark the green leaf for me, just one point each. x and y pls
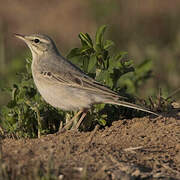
(108, 44)
(143, 71)
(84, 50)
(99, 106)
(85, 64)
(144, 67)
(127, 82)
(89, 39)
(74, 52)
(128, 63)
(102, 122)
(86, 40)
(99, 35)
(121, 55)
(92, 63)
(105, 78)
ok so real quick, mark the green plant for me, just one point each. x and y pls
(160, 102)
(27, 115)
(116, 71)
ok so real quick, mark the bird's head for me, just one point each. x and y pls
(38, 43)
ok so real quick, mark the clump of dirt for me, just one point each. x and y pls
(140, 148)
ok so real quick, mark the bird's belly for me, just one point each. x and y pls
(64, 97)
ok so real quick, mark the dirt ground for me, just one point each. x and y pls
(139, 148)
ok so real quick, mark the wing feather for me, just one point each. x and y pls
(72, 76)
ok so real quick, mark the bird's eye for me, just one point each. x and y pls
(36, 40)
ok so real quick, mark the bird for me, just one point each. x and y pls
(64, 85)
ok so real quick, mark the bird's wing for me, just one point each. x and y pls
(81, 81)
(63, 72)
(72, 76)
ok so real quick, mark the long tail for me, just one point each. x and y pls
(132, 106)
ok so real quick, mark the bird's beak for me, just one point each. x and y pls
(20, 36)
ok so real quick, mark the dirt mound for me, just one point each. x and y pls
(141, 148)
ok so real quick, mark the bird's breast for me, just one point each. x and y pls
(62, 96)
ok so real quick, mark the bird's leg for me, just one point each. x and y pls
(70, 122)
(81, 119)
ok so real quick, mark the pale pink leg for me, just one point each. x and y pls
(70, 122)
(81, 119)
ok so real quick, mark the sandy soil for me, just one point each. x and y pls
(139, 148)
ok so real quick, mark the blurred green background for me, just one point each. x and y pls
(145, 29)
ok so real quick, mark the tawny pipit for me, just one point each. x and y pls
(62, 84)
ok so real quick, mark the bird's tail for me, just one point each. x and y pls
(132, 106)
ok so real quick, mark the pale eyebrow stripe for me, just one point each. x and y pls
(43, 40)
